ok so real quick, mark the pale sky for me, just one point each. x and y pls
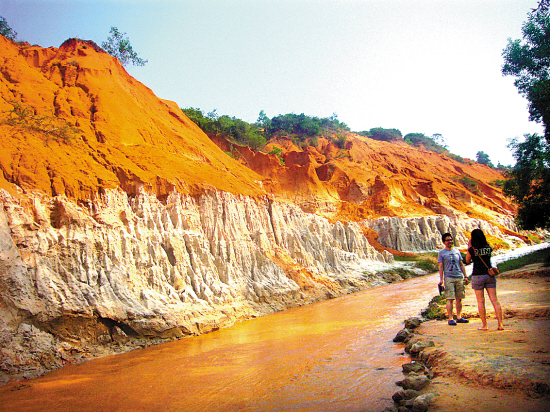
(420, 66)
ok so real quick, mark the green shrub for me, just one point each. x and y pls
(341, 140)
(277, 151)
(396, 274)
(314, 141)
(424, 261)
(385, 135)
(498, 183)
(468, 183)
(231, 154)
(533, 238)
(428, 265)
(6, 30)
(458, 158)
(304, 126)
(235, 130)
(436, 308)
(428, 143)
(50, 126)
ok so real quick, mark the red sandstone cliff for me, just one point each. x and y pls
(130, 138)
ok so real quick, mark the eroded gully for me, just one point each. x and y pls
(335, 355)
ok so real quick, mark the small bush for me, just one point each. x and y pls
(25, 118)
(468, 183)
(396, 274)
(533, 238)
(231, 154)
(233, 129)
(277, 151)
(497, 243)
(341, 140)
(385, 135)
(498, 183)
(428, 143)
(428, 265)
(424, 261)
(458, 158)
(436, 308)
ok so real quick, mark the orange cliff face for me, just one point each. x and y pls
(127, 137)
(369, 178)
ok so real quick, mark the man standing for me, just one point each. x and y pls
(450, 265)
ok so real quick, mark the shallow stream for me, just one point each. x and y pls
(335, 355)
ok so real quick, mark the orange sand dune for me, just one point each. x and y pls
(130, 138)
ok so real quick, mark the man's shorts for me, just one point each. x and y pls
(454, 288)
(480, 282)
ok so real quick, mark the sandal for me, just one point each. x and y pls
(462, 320)
(452, 322)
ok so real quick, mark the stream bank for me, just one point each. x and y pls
(494, 370)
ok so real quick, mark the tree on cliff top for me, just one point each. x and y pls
(483, 158)
(436, 143)
(118, 46)
(385, 135)
(529, 62)
(6, 30)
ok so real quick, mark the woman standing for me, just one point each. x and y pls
(479, 252)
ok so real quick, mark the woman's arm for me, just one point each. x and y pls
(468, 257)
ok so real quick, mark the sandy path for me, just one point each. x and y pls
(495, 370)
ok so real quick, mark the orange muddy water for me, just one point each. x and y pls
(335, 355)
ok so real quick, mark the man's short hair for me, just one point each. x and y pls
(445, 235)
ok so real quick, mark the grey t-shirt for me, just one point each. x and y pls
(451, 262)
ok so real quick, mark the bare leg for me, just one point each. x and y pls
(458, 308)
(449, 309)
(492, 292)
(480, 296)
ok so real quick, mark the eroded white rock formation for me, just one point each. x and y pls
(418, 234)
(137, 267)
(120, 272)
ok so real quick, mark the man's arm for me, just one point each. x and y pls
(463, 268)
(440, 273)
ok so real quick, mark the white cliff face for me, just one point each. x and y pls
(129, 268)
(78, 281)
(418, 234)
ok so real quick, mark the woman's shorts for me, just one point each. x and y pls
(454, 288)
(480, 282)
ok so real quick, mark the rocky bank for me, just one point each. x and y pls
(490, 370)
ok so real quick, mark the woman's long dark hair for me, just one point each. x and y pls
(478, 238)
